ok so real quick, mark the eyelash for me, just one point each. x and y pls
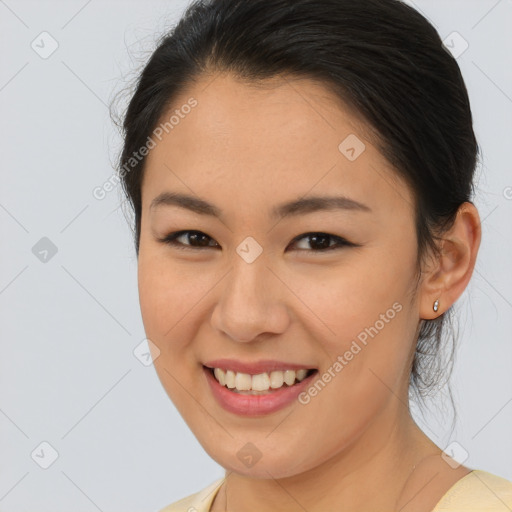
(171, 240)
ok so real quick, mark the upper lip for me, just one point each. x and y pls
(255, 367)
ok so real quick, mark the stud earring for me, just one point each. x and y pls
(436, 305)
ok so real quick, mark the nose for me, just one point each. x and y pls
(250, 303)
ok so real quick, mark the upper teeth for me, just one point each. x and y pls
(260, 382)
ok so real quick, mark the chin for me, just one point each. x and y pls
(256, 456)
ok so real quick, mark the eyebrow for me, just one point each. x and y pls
(292, 208)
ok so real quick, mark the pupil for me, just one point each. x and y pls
(324, 238)
(198, 237)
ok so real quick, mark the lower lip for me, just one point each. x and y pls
(255, 405)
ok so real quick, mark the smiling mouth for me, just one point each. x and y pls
(260, 384)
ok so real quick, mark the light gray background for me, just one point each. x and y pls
(69, 325)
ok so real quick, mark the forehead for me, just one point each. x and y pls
(281, 137)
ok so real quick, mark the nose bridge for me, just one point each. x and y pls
(250, 302)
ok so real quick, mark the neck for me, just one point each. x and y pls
(383, 458)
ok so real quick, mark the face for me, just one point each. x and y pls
(233, 278)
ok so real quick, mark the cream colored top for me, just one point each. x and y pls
(478, 491)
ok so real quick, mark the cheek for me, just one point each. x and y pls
(346, 301)
(167, 290)
(167, 299)
(365, 322)
(174, 306)
(166, 295)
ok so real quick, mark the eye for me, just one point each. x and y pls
(194, 240)
(322, 242)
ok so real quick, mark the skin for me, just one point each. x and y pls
(246, 149)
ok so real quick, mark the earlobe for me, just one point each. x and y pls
(445, 282)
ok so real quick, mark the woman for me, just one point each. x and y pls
(301, 177)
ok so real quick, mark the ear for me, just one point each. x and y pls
(449, 274)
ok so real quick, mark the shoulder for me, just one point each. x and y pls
(198, 502)
(478, 491)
